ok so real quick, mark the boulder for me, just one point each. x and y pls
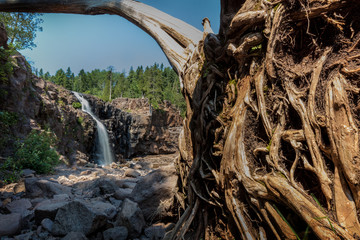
(27, 173)
(132, 173)
(25, 236)
(131, 217)
(123, 193)
(37, 188)
(115, 202)
(123, 182)
(77, 217)
(10, 224)
(47, 209)
(155, 232)
(117, 233)
(155, 192)
(61, 197)
(74, 236)
(47, 224)
(18, 206)
(108, 209)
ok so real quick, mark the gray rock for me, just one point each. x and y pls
(47, 209)
(128, 184)
(131, 217)
(121, 182)
(26, 173)
(116, 203)
(75, 236)
(61, 197)
(132, 173)
(37, 188)
(123, 193)
(10, 224)
(77, 217)
(155, 232)
(155, 193)
(25, 236)
(117, 233)
(102, 207)
(47, 224)
(19, 206)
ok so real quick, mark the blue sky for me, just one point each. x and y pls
(90, 42)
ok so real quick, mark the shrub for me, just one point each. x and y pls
(8, 119)
(76, 105)
(6, 66)
(35, 153)
(80, 120)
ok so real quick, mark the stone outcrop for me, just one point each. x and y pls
(136, 128)
(38, 104)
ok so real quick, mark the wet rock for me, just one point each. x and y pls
(75, 236)
(77, 217)
(155, 232)
(123, 193)
(117, 233)
(132, 173)
(155, 192)
(47, 209)
(19, 206)
(10, 224)
(36, 188)
(47, 224)
(131, 217)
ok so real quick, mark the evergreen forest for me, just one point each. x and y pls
(157, 83)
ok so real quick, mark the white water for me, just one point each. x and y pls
(104, 153)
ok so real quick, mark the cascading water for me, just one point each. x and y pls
(104, 153)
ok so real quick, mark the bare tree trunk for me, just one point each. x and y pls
(270, 144)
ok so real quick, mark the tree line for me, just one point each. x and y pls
(157, 83)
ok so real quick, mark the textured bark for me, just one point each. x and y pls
(270, 145)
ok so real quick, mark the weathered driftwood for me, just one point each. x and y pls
(270, 145)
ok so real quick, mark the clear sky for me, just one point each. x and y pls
(90, 42)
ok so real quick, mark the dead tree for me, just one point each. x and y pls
(270, 144)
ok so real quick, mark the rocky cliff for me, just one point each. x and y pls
(28, 102)
(136, 129)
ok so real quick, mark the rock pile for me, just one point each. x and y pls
(115, 202)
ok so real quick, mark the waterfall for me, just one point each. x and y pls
(104, 154)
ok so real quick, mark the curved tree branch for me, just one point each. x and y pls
(174, 36)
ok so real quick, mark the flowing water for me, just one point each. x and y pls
(104, 154)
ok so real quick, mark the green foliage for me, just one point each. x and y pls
(76, 105)
(8, 119)
(80, 120)
(157, 83)
(21, 28)
(35, 153)
(286, 221)
(6, 66)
